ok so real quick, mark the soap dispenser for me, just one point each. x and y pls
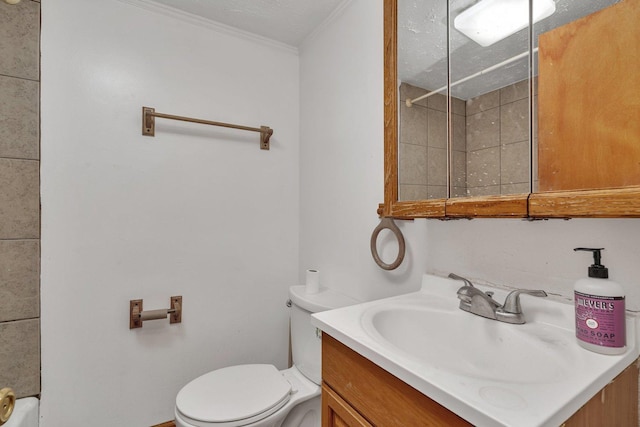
(600, 311)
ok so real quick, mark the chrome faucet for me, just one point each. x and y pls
(481, 303)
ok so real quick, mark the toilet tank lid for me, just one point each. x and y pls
(326, 299)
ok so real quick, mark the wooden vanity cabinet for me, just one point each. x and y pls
(614, 405)
(380, 398)
(358, 393)
(338, 413)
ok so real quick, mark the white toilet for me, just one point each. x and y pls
(260, 395)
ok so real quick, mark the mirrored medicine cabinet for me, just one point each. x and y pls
(540, 121)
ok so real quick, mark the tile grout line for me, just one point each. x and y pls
(19, 158)
(18, 320)
(20, 78)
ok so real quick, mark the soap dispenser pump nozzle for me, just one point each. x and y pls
(596, 269)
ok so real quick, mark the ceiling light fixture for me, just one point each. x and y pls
(489, 21)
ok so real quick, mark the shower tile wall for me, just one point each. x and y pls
(20, 197)
(423, 145)
(498, 141)
(490, 144)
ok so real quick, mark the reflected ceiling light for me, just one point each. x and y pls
(489, 21)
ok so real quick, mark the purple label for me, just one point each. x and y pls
(600, 320)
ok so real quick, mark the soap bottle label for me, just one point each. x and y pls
(600, 320)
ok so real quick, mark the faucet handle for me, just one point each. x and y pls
(512, 302)
(456, 277)
(466, 292)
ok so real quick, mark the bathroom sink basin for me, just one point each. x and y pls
(472, 346)
(488, 372)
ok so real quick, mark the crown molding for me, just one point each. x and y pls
(337, 12)
(209, 24)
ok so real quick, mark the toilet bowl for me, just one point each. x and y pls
(244, 395)
(259, 395)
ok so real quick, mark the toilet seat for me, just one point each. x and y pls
(233, 396)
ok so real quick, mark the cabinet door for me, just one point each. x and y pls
(381, 397)
(589, 103)
(338, 413)
(614, 405)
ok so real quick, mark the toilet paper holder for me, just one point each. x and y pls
(137, 315)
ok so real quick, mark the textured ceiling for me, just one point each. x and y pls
(422, 46)
(287, 21)
(422, 35)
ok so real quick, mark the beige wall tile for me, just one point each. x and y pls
(514, 163)
(436, 166)
(19, 199)
(413, 125)
(459, 169)
(436, 191)
(459, 106)
(436, 128)
(437, 102)
(413, 164)
(514, 120)
(459, 132)
(535, 160)
(483, 168)
(412, 192)
(535, 117)
(20, 356)
(483, 130)
(521, 188)
(19, 118)
(19, 279)
(492, 128)
(20, 40)
(485, 102)
(459, 192)
(514, 92)
(412, 92)
(489, 190)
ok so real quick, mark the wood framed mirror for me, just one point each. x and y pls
(520, 191)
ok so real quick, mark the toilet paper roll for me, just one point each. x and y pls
(154, 314)
(312, 285)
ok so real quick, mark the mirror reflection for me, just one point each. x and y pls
(479, 140)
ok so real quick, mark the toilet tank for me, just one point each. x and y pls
(306, 338)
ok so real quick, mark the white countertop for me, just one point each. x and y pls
(487, 400)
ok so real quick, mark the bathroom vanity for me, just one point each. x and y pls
(418, 360)
(357, 392)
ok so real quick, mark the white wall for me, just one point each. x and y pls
(342, 183)
(341, 158)
(537, 254)
(202, 212)
(197, 211)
